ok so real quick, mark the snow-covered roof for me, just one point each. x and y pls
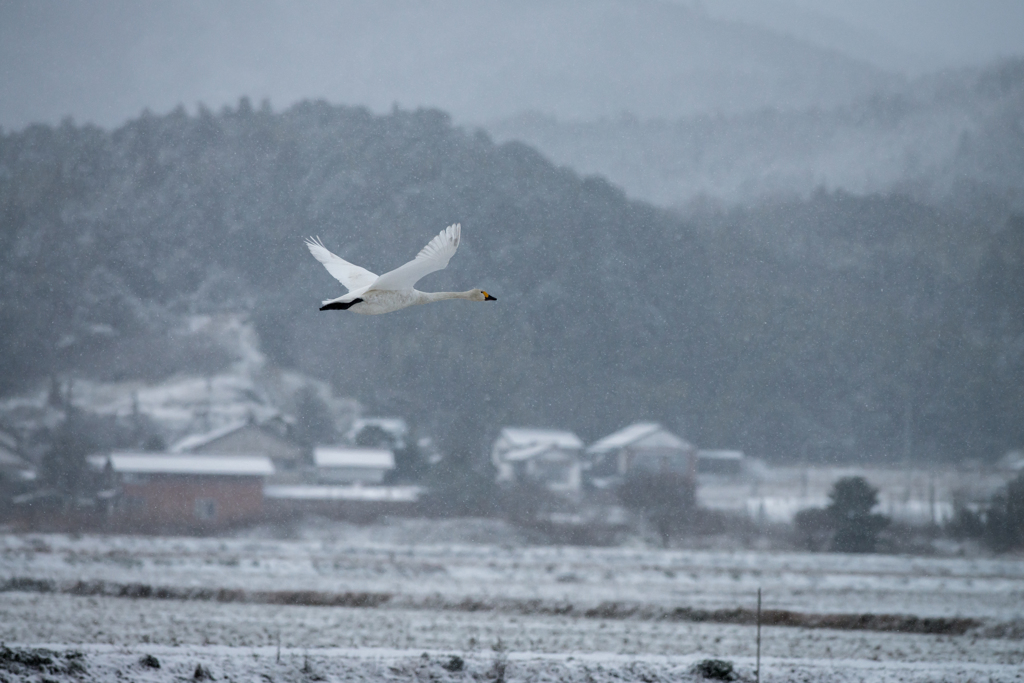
(174, 463)
(341, 456)
(196, 442)
(650, 434)
(520, 454)
(521, 437)
(399, 494)
(193, 441)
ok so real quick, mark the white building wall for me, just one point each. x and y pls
(351, 475)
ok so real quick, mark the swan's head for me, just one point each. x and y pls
(481, 295)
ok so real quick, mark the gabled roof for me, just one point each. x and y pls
(520, 454)
(639, 435)
(342, 456)
(193, 441)
(196, 441)
(174, 463)
(521, 437)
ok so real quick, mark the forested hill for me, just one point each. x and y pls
(833, 327)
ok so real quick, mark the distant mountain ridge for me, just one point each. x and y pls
(834, 327)
(928, 137)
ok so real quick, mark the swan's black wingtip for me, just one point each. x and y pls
(340, 305)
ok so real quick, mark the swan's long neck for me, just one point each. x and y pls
(428, 297)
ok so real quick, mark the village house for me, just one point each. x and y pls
(640, 446)
(247, 437)
(352, 465)
(181, 492)
(549, 457)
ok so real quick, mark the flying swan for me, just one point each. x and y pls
(372, 294)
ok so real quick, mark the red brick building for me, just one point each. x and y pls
(182, 493)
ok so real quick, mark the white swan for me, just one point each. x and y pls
(372, 295)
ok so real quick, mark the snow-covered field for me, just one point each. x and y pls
(365, 603)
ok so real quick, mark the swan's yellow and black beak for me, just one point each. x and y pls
(488, 297)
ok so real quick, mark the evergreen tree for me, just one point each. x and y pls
(855, 527)
(64, 466)
(314, 423)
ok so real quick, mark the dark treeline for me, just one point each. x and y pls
(834, 327)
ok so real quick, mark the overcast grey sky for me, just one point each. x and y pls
(106, 60)
(912, 36)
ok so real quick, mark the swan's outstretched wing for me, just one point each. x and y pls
(433, 257)
(352, 276)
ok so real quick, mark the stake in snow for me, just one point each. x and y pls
(372, 295)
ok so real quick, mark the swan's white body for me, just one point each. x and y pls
(371, 294)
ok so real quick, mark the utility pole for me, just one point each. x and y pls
(757, 670)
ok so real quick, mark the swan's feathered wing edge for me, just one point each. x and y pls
(433, 257)
(350, 275)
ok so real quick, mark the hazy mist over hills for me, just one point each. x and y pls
(933, 134)
(908, 36)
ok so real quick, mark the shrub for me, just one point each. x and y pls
(666, 499)
(1004, 520)
(457, 487)
(814, 528)
(715, 669)
(527, 502)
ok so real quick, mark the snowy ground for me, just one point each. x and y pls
(268, 664)
(475, 591)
